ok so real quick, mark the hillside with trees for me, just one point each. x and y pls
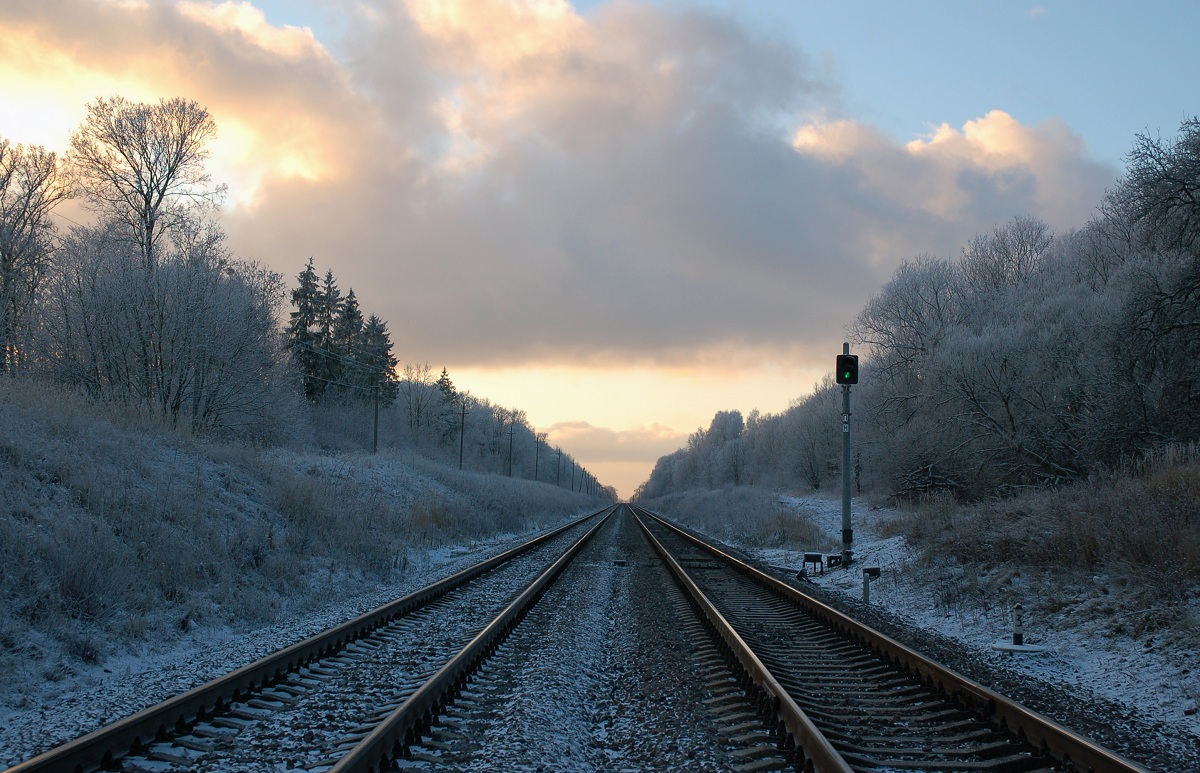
(1035, 372)
(1031, 359)
(186, 439)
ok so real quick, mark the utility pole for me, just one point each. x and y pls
(512, 423)
(557, 467)
(375, 434)
(462, 430)
(537, 451)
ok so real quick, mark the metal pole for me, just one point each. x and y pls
(847, 531)
(462, 430)
(375, 435)
(537, 450)
(557, 467)
(512, 423)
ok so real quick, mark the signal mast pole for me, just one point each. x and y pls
(847, 374)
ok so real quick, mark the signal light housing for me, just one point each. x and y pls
(847, 369)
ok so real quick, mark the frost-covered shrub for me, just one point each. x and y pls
(1147, 523)
(115, 530)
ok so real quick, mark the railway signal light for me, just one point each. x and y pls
(847, 369)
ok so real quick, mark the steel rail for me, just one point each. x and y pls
(1039, 731)
(99, 748)
(810, 740)
(379, 749)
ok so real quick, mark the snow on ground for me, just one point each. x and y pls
(44, 714)
(1158, 683)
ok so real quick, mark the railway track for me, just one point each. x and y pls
(317, 703)
(652, 651)
(612, 670)
(849, 698)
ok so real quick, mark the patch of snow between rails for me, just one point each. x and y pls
(42, 715)
(1160, 685)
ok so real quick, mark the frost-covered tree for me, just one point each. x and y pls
(206, 321)
(419, 392)
(143, 166)
(1160, 340)
(1032, 359)
(30, 188)
(1005, 257)
(1161, 191)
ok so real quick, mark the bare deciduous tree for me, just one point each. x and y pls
(30, 188)
(1162, 190)
(143, 165)
(208, 325)
(1006, 256)
(419, 390)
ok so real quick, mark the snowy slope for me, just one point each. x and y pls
(1157, 677)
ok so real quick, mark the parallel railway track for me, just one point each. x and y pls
(762, 677)
(851, 698)
(201, 728)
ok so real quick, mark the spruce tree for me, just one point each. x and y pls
(376, 355)
(329, 307)
(448, 411)
(302, 338)
(446, 387)
(347, 344)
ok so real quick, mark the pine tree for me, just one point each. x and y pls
(346, 345)
(302, 333)
(446, 387)
(448, 408)
(329, 307)
(375, 352)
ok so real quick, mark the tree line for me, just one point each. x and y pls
(339, 354)
(148, 307)
(1031, 359)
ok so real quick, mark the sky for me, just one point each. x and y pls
(622, 217)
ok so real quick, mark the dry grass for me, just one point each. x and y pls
(1147, 523)
(744, 515)
(114, 530)
(1119, 555)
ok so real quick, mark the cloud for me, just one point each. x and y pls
(991, 169)
(620, 458)
(508, 182)
(637, 445)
